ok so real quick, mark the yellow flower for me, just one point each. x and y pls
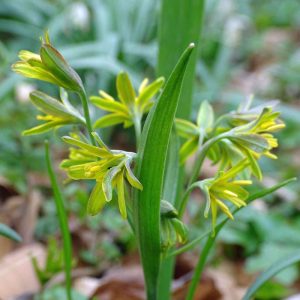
(256, 139)
(108, 168)
(130, 107)
(49, 65)
(57, 113)
(224, 187)
(252, 139)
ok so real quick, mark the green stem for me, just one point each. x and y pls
(137, 129)
(200, 266)
(85, 106)
(63, 223)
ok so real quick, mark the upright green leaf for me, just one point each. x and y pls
(169, 193)
(151, 163)
(180, 23)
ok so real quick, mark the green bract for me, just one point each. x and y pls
(172, 229)
(107, 167)
(131, 107)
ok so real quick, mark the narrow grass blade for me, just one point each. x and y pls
(151, 163)
(63, 222)
(180, 23)
(280, 265)
(9, 233)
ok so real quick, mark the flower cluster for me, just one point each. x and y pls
(235, 145)
(224, 187)
(56, 113)
(107, 167)
(251, 139)
(49, 65)
(131, 107)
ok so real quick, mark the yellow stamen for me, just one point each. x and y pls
(242, 182)
(270, 155)
(225, 209)
(276, 127)
(106, 96)
(229, 193)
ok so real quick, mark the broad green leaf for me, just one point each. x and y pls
(170, 192)
(280, 265)
(9, 233)
(177, 19)
(151, 163)
(180, 19)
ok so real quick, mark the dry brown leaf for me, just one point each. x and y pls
(17, 276)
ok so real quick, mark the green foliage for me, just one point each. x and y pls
(284, 262)
(9, 233)
(272, 290)
(150, 170)
(54, 263)
(58, 293)
(242, 137)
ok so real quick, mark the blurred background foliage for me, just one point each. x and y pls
(248, 47)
